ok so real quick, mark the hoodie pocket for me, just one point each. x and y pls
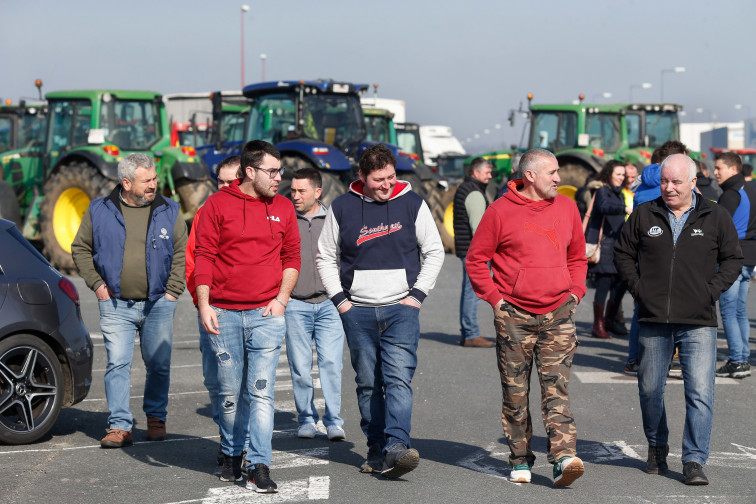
(541, 284)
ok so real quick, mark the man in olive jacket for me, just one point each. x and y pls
(678, 254)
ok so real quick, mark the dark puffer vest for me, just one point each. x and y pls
(462, 230)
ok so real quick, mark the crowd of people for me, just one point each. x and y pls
(263, 268)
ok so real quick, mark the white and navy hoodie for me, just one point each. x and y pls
(369, 252)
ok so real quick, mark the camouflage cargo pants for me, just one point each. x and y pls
(522, 336)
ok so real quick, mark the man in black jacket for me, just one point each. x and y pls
(739, 199)
(470, 203)
(668, 254)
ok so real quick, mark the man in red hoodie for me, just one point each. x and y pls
(247, 263)
(533, 238)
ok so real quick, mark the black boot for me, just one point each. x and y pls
(657, 459)
(612, 322)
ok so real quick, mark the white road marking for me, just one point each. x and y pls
(609, 377)
(312, 488)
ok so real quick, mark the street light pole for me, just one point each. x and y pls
(244, 8)
(668, 70)
(746, 107)
(263, 57)
(645, 85)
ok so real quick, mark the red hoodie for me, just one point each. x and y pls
(243, 246)
(536, 249)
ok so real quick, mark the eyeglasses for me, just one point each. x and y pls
(272, 172)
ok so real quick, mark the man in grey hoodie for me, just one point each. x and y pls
(311, 316)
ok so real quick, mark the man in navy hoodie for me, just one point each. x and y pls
(369, 261)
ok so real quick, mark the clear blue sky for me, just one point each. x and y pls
(462, 63)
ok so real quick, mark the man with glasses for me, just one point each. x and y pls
(247, 263)
(226, 172)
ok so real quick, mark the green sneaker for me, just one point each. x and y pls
(567, 470)
(520, 474)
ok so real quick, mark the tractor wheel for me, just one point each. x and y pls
(573, 177)
(9, 204)
(434, 195)
(332, 186)
(447, 222)
(67, 195)
(193, 194)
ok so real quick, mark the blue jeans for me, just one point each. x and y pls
(698, 356)
(210, 374)
(319, 322)
(737, 327)
(383, 348)
(468, 308)
(120, 321)
(245, 335)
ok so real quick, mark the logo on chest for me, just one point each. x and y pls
(697, 232)
(655, 231)
(163, 234)
(531, 227)
(367, 234)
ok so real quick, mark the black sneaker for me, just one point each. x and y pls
(231, 470)
(374, 462)
(693, 474)
(734, 370)
(399, 461)
(259, 480)
(632, 367)
(657, 459)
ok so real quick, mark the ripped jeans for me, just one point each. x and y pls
(247, 334)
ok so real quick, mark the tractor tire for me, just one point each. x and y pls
(574, 176)
(32, 387)
(434, 196)
(446, 229)
(332, 186)
(193, 194)
(67, 195)
(9, 204)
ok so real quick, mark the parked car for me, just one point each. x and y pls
(45, 349)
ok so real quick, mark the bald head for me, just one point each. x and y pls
(678, 179)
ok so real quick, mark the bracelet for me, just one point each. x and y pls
(279, 302)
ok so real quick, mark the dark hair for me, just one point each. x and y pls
(605, 175)
(310, 174)
(667, 149)
(476, 164)
(254, 151)
(731, 159)
(747, 170)
(376, 157)
(228, 162)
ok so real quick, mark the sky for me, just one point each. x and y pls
(463, 64)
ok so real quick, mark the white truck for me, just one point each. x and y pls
(438, 140)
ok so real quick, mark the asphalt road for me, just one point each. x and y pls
(456, 428)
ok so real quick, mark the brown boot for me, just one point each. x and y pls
(598, 322)
(116, 438)
(155, 429)
(611, 323)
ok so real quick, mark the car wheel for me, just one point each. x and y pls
(31, 389)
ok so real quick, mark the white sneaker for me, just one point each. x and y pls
(335, 433)
(520, 474)
(307, 431)
(567, 470)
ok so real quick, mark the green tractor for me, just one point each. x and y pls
(379, 125)
(21, 126)
(88, 133)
